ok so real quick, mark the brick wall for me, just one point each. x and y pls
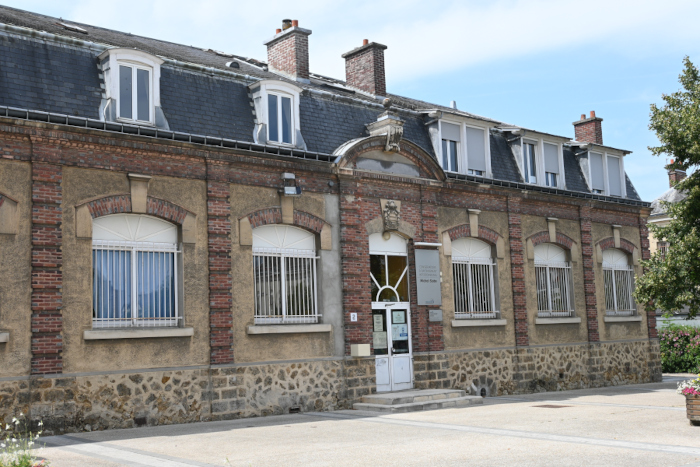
(364, 69)
(290, 54)
(517, 265)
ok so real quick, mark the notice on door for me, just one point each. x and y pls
(380, 340)
(428, 277)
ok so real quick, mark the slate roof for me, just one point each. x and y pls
(43, 75)
(669, 196)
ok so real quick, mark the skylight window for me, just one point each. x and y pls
(72, 27)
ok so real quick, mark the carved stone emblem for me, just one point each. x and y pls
(393, 138)
(390, 124)
(391, 216)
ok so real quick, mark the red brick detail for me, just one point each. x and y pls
(608, 243)
(589, 288)
(464, 230)
(47, 262)
(220, 279)
(265, 216)
(644, 242)
(166, 210)
(110, 205)
(290, 54)
(364, 68)
(308, 221)
(589, 130)
(517, 265)
(543, 237)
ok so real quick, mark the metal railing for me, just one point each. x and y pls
(619, 284)
(554, 295)
(474, 288)
(285, 286)
(134, 284)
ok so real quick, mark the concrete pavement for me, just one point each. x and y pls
(627, 425)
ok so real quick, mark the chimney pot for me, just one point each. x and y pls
(583, 116)
(592, 113)
(288, 51)
(364, 68)
(277, 31)
(589, 130)
(286, 24)
(295, 23)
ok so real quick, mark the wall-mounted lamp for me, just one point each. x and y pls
(290, 187)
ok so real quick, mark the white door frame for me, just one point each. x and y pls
(394, 371)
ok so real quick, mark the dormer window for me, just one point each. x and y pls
(277, 113)
(279, 117)
(132, 87)
(541, 162)
(464, 149)
(551, 164)
(606, 174)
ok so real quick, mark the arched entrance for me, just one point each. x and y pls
(391, 314)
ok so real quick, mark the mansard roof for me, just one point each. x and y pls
(201, 94)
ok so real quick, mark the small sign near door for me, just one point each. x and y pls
(428, 277)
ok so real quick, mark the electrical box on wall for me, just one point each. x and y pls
(359, 350)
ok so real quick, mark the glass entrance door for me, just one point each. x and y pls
(392, 346)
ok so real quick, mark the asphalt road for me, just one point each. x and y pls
(627, 425)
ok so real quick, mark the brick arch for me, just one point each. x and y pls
(543, 237)
(301, 219)
(608, 243)
(464, 230)
(121, 204)
(427, 165)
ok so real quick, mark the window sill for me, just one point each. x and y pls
(459, 323)
(4, 337)
(622, 319)
(108, 334)
(287, 329)
(575, 320)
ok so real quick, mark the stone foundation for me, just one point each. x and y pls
(158, 397)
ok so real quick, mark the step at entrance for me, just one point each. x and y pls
(416, 399)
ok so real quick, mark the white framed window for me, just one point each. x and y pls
(529, 162)
(473, 271)
(135, 272)
(606, 174)
(388, 268)
(551, 164)
(464, 149)
(277, 113)
(662, 247)
(553, 281)
(618, 279)
(284, 275)
(132, 82)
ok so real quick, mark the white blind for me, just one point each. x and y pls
(551, 158)
(614, 176)
(476, 149)
(450, 131)
(597, 180)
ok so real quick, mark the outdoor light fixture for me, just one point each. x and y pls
(290, 187)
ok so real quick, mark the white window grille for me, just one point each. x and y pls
(284, 275)
(553, 281)
(473, 271)
(618, 278)
(134, 281)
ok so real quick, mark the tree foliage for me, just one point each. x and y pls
(672, 282)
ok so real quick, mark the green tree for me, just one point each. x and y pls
(672, 282)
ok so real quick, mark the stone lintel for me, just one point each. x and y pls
(573, 320)
(287, 329)
(459, 323)
(108, 334)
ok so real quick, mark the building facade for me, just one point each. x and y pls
(188, 235)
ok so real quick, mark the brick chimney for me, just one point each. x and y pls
(675, 176)
(364, 68)
(589, 130)
(288, 51)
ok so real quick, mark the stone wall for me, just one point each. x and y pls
(102, 401)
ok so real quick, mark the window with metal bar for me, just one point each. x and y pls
(284, 275)
(553, 282)
(134, 282)
(473, 271)
(618, 279)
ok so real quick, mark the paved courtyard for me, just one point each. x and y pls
(629, 425)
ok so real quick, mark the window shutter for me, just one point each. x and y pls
(551, 158)
(450, 131)
(614, 176)
(476, 151)
(597, 180)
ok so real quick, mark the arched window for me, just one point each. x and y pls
(388, 268)
(473, 271)
(284, 272)
(134, 264)
(618, 278)
(553, 277)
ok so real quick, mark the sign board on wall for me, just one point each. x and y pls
(428, 277)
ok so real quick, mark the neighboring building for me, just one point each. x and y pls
(660, 217)
(187, 234)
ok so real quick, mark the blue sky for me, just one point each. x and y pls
(539, 64)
